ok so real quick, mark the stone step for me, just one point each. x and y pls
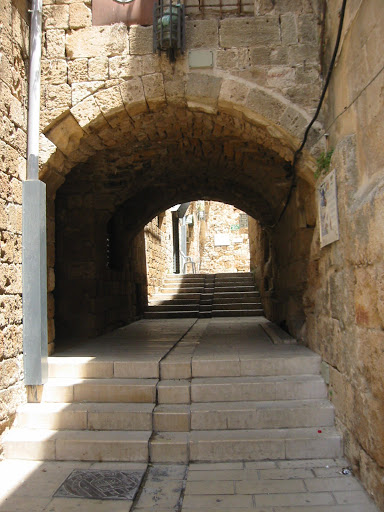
(181, 289)
(171, 314)
(234, 288)
(261, 415)
(237, 312)
(238, 299)
(235, 295)
(85, 416)
(237, 305)
(85, 445)
(271, 444)
(173, 302)
(233, 389)
(298, 361)
(171, 307)
(100, 390)
(171, 418)
(171, 296)
(225, 275)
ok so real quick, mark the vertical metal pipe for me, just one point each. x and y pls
(34, 90)
(34, 262)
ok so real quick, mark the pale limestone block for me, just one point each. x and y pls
(120, 416)
(56, 100)
(105, 41)
(171, 418)
(169, 447)
(118, 390)
(110, 101)
(202, 34)
(87, 113)
(132, 92)
(265, 104)
(154, 90)
(264, 56)
(103, 446)
(269, 486)
(203, 89)
(325, 445)
(289, 29)
(308, 29)
(54, 44)
(78, 70)
(150, 64)
(56, 16)
(66, 134)
(98, 68)
(54, 71)
(294, 122)
(280, 77)
(217, 502)
(174, 392)
(80, 16)
(29, 444)
(235, 32)
(84, 89)
(303, 53)
(233, 58)
(52, 416)
(333, 484)
(211, 487)
(140, 40)
(233, 95)
(136, 369)
(125, 66)
(79, 367)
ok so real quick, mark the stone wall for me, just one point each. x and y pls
(158, 250)
(14, 32)
(344, 299)
(224, 219)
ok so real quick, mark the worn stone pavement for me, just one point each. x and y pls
(263, 486)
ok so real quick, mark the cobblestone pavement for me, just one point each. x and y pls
(263, 486)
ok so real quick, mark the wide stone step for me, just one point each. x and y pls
(173, 302)
(171, 418)
(237, 312)
(298, 361)
(85, 416)
(237, 306)
(271, 444)
(234, 289)
(171, 296)
(234, 295)
(172, 314)
(171, 307)
(182, 289)
(238, 299)
(100, 390)
(261, 415)
(85, 445)
(233, 389)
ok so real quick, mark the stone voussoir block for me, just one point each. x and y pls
(154, 90)
(132, 92)
(203, 89)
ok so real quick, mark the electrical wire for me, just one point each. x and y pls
(326, 84)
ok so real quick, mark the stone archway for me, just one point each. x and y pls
(142, 149)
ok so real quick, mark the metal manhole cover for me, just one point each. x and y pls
(100, 484)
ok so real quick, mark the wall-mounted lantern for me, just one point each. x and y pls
(168, 28)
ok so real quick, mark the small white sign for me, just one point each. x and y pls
(328, 213)
(222, 239)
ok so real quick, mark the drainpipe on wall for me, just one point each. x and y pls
(34, 261)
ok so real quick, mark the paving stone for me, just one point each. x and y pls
(270, 486)
(216, 502)
(211, 487)
(297, 499)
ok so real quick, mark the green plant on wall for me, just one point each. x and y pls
(323, 163)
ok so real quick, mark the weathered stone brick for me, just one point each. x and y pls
(54, 71)
(202, 34)
(265, 105)
(78, 70)
(98, 68)
(105, 41)
(84, 89)
(54, 44)
(56, 16)
(308, 29)
(80, 16)
(289, 29)
(125, 66)
(10, 310)
(249, 31)
(203, 88)
(233, 59)
(140, 40)
(10, 247)
(154, 90)
(10, 278)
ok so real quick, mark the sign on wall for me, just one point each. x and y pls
(222, 239)
(328, 213)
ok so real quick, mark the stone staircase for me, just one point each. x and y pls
(203, 401)
(206, 296)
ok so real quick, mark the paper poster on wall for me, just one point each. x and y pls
(328, 213)
(222, 239)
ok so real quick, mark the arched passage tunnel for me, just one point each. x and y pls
(170, 157)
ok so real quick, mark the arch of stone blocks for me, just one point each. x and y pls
(136, 148)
